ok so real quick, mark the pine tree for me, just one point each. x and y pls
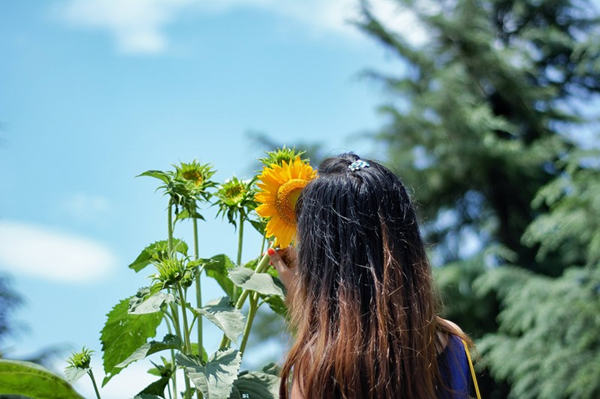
(480, 121)
(548, 344)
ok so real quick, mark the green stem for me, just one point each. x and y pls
(260, 268)
(240, 239)
(249, 321)
(91, 374)
(186, 335)
(236, 290)
(175, 318)
(173, 376)
(198, 289)
(262, 246)
(170, 228)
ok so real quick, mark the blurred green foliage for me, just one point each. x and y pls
(484, 125)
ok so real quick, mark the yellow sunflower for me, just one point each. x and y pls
(280, 187)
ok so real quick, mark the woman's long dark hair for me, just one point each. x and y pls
(362, 308)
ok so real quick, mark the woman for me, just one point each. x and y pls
(360, 295)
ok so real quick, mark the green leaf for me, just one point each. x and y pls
(123, 334)
(263, 283)
(272, 368)
(141, 303)
(157, 174)
(277, 304)
(194, 349)
(255, 384)
(170, 341)
(33, 381)
(259, 225)
(157, 251)
(215, 379)
(156, 389)
(217, 268)
(229, 319)
(183, 214)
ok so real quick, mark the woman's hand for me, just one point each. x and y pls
(284, 260)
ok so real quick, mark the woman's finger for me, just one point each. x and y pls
(277, 261)
(286, 274)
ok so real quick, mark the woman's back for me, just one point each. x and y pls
(361, 302)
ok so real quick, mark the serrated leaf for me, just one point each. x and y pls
(170, 341)
(140, 304)
(156, 251)
(123, 334)
(255, 384)
(229, 319)
(34, 381)
(217, 268)
(215, 379)
(263, 283)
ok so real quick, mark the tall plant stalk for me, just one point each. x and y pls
(249, 321)
(236, 290)
(186, 330)
(240, 239)
(198, 288)
(260, 268)
(173, 310)
(91, 374)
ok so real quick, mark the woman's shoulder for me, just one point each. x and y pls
(448, 335)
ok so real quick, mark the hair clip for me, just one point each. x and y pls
(358, 164)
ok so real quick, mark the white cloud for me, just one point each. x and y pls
(138, 25)
(43, 252)
(86, 207)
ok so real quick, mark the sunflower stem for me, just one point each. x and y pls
(174, 312)
(174, 375)
(187, 346)
(170, 228)
(249, 321)
(186, 335)
(262, 246)
(236, 291)
(91, 374)
(261, 267)
(240, 239)
(198, 288)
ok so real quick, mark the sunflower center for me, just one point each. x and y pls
(287, 196)
(193, 175)
(233, 194)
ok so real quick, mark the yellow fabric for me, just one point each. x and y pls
(472, 370)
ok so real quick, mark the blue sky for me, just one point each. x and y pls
(93, 93)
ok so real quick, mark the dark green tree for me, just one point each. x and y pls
(481, 119)
(548, 344)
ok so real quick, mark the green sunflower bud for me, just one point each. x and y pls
(81, 359)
